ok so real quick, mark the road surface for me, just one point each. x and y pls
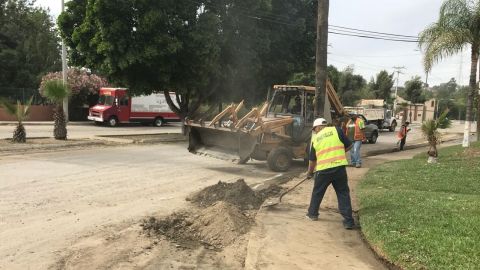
(49, 201)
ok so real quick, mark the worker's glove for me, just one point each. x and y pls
(309, 175)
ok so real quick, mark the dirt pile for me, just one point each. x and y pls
(237, 193)
(216, 226)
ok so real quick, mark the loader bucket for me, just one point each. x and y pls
(221, 143)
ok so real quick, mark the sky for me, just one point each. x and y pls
(368, 56)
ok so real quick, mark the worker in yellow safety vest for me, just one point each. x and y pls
(327, 161)
(355, 132)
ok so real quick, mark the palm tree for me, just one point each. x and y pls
(458, 26)
(430, 131)
(56, 91)
(21, 113)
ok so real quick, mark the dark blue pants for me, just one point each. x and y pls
(338, 178)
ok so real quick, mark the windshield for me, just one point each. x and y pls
(287, 102)
(105, 100)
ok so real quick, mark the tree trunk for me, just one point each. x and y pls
(19, 135)
(478, 113)
(321, 58)
(471, 95)
(60, 125)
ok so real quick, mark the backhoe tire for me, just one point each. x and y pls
(279, 159)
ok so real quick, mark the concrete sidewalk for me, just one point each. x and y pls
(284, 239)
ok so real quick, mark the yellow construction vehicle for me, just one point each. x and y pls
(278, 131)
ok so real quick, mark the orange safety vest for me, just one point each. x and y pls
(402, 132)
(359, 135)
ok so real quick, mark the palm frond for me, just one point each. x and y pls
(442, 121)
(9, 107)
(457, 26)
(56, 91)
(27, 106)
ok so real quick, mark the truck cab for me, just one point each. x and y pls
(113, 107)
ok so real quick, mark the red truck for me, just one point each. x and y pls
(116, 106)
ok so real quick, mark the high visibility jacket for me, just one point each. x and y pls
(402, 132)
(329, 149)
(359, 135)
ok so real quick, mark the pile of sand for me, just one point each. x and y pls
(238, 194)
(215, 226)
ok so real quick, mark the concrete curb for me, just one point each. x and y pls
(45, 123)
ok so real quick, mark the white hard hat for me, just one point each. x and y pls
(319, 122)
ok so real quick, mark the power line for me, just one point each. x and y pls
(374, 32)
(378, 56)
(373, 37)
(335, 32)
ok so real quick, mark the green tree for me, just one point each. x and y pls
(21, 113)
(382, 86)
(56, 91)
(148, 45)
(414, 90)
(29, 45)
(456, 27)
(204, 50)
(349, 86)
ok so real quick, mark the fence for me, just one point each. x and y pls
(23, 94)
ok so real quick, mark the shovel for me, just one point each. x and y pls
(279, 200)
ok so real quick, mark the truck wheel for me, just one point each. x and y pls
(374, 138)
(279, 159)
(112, 121)
(158, 122)
(393, 126)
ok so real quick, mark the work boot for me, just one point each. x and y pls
(312, 218)
(351, 226)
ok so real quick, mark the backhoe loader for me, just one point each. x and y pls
(278, 131)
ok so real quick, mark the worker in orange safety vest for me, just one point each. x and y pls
(355, 132)
(402, 135)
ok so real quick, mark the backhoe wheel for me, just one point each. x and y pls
(279, 159)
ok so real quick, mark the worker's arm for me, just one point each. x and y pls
(312, 162)
(311, 168)
(348, 144)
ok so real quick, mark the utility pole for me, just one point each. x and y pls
(321, 60)
(64, 71)
(398, 71)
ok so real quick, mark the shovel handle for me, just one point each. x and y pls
(292, 188)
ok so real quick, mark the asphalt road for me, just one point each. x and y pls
(50, 200)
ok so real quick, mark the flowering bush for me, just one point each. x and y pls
(79, 81)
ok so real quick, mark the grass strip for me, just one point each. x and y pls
(425, 216)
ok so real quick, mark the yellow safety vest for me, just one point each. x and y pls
(329, 149)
